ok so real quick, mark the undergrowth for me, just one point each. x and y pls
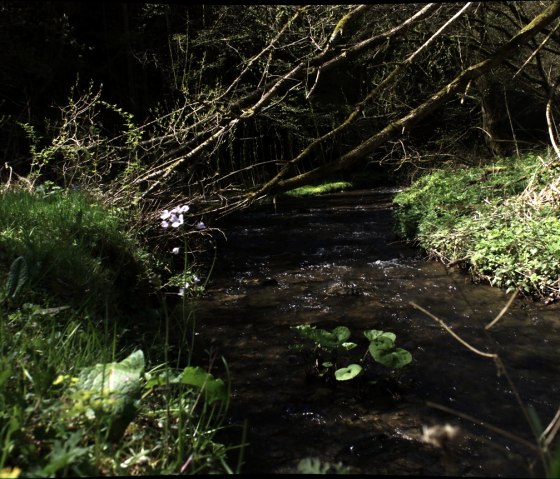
(88, 385)
(500, 220)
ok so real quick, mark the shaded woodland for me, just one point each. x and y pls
(222, 105)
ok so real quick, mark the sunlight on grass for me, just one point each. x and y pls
(320, 189)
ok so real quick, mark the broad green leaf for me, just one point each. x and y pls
(347, 373)
(214, 389)
(382, 343)
(394, 359)
(112, 391)
(373, 334)
(342, 333)
(122, 378)
(349, 346)
(323, 338)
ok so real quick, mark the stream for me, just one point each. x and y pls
(334, 260)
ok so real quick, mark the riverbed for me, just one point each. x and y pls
(335, 260)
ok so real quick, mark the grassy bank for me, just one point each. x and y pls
(500, 220)
(88, 382)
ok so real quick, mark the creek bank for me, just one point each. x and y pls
(499, 221)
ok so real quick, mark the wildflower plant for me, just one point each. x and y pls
(187, 281)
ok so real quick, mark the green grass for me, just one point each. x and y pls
(88, 386)
(320, 189)
(501, 220)
(74, 249)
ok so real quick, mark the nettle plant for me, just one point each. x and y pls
(330, 350)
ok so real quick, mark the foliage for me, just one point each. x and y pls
(68, 407)
(65, 417)
(312, 465)
(381, 348)
(502, 220)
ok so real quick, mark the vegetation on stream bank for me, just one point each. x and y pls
(499, 220)
(89, 383)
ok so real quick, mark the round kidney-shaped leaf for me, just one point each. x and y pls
(395, 359)
(347, 373)
(382, 343)
(342, 333)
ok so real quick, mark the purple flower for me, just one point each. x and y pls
(200, 225)
(182, 290)
(176, 250)
(173, 217)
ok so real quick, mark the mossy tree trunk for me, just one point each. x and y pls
(445, 94)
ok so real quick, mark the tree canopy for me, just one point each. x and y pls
(222, 105)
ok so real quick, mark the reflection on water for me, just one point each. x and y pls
(335, 261)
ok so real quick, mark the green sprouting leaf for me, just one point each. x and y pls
(347, 373)
(349, 346)
(323, 338)
(17, 276)
(373, 334)
(394, 359)
(312, 465)
(214, 389)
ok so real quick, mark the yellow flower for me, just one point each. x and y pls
(10, 472)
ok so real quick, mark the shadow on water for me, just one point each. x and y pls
(293, 265)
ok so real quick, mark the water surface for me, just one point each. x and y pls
(334, 260)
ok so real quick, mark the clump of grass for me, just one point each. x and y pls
(500, 220)
(73, 247)
(320, 189)
(69, 407)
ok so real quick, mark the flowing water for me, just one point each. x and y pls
(334, 260)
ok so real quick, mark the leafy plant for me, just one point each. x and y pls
(313, 465)
(381, 348)
(501, 221)
(110, 393)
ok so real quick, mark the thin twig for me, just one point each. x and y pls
(450, 331)
(503, 311)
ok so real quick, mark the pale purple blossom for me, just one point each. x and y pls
(173, 218)
(182, 290)
(200, 225)
(176, 250)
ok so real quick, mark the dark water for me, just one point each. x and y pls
(334, 261)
